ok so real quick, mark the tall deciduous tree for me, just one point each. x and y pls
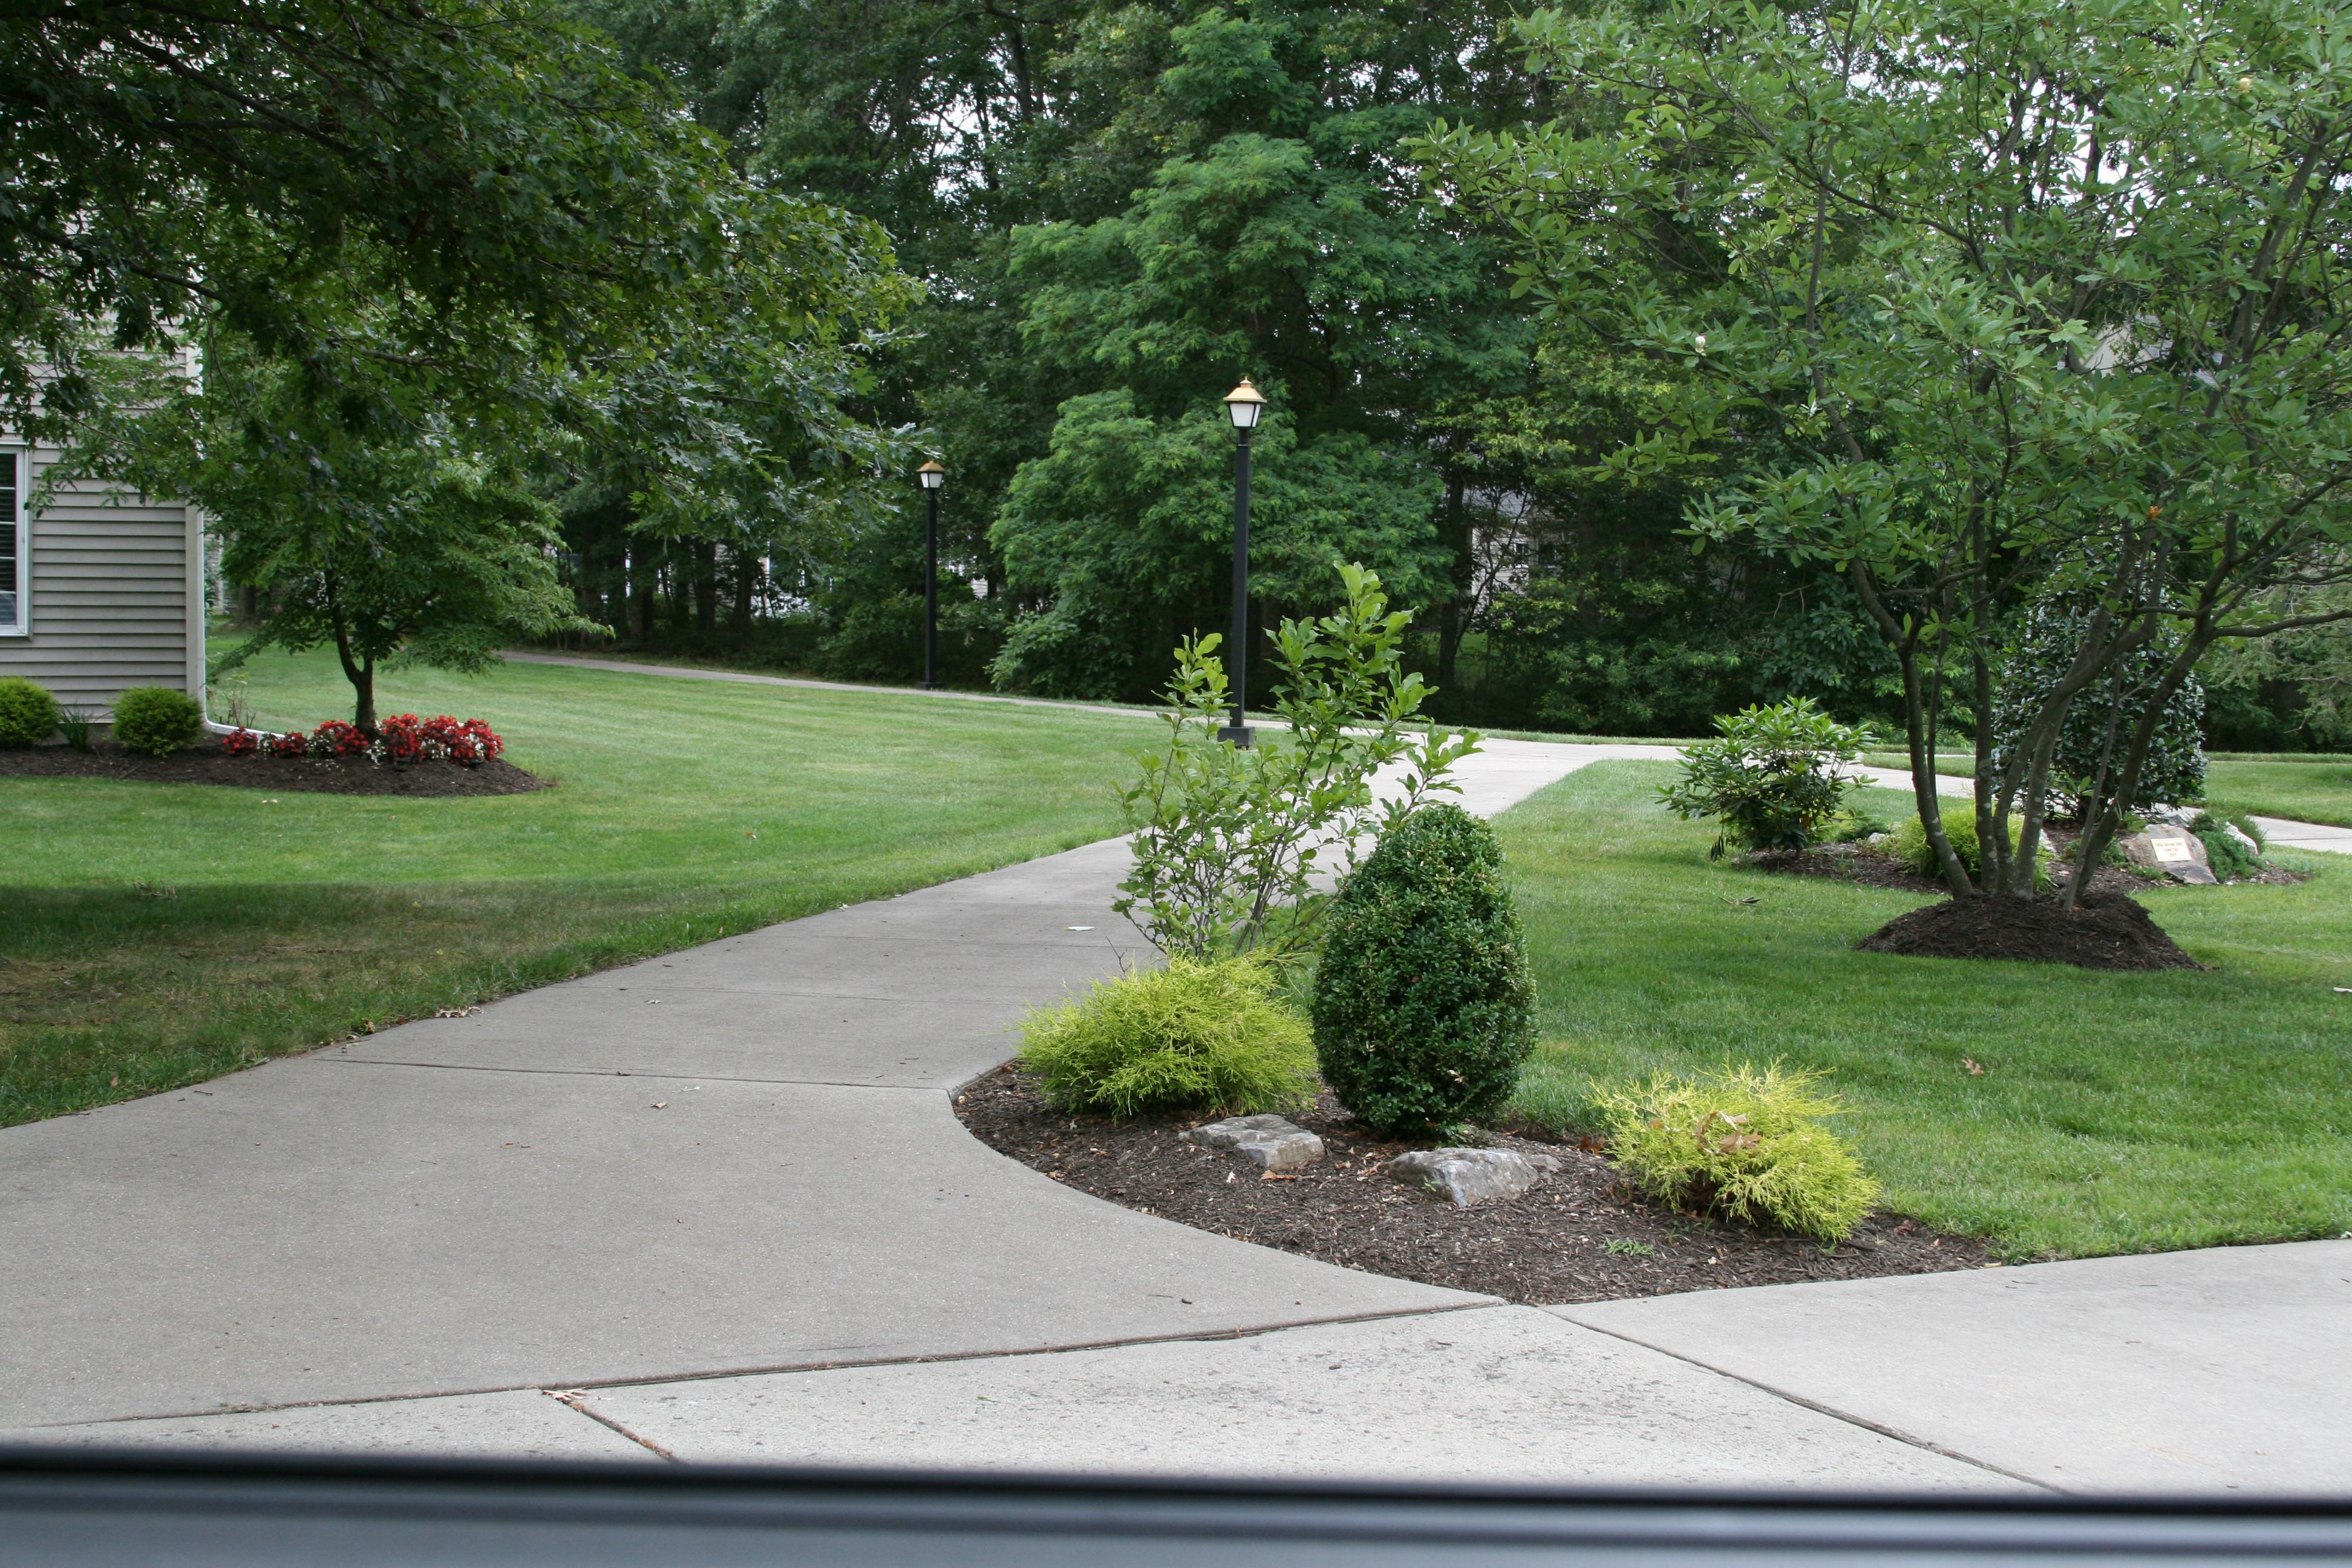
(1973, 300)
(478, 172)
(442, 256)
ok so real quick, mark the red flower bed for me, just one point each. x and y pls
(336, 739)
(403, 738)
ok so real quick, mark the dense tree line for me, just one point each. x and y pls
(1118, 210)
(628, 320)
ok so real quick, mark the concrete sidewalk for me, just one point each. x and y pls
(2286, 834)
(719, 1202)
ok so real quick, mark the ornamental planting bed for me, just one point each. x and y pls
(206, 763)
(1580, 1235)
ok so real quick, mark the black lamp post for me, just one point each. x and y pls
(932, 477)
(1244, 403)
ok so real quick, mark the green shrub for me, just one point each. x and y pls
(156, 720)
(1745, 1144)
(2227, 857)
(1423, 1006)
(1850, 826)
(28, 715)
(1910, 845)
(2095, 734)
(1207, 1036)
(1770, 776)
(78, 727)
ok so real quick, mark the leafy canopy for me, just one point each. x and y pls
(1961, 293)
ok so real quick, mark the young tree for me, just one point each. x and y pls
(392, 544)
(1973, 299)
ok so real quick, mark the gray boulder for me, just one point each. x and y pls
(1273, 1143)
(1466, 1176)
(2169, 848)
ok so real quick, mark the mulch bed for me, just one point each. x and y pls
(1864, 863)
(1843, 863)
(2108, 932)
(206, 763)
(1549, 1245)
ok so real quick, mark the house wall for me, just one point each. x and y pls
(117, 595)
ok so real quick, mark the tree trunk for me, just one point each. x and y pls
(1905, 639)
(747, 577)
(2099, 829)
(1453, 616)
(706, 588)
(361, 673)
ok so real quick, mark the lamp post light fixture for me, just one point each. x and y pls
(1244, 403)
(932, 477)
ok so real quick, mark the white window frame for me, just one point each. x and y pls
(19, 459)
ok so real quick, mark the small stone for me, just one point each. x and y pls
(2241, 838)
(1467, 1176)
(1274, 1143)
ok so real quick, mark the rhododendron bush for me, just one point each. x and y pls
(403, 738)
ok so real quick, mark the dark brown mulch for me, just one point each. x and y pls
(206, 763)
(2108, 932)
(1865, 865)
(1845, 863)
(1549, 1245)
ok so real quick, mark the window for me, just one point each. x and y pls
(16, 557)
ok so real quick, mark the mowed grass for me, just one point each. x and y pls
(160, 934)
(2314, 788)
(2116, 1112)
(2318, 789)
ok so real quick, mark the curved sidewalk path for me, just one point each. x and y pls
(719, 1202)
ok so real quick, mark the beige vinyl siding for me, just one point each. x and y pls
(116, 599)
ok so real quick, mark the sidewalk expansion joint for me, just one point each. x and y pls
(566, 1392)
(571, 1400)
(1831, 1411)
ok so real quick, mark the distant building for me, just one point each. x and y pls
(100, 590)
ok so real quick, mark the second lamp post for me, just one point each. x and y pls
(1244, 403)
(932, 477)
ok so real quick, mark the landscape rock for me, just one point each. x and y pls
(2241, 838)
(1468, 1176)
(1275, 1144)
(2168, 848)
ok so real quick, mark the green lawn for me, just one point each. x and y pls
(161, 934)
(1953, 765)
(2314, 788)
(2118, 1112)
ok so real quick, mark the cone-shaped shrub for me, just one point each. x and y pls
(1424, 1008)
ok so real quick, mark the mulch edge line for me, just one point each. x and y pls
(1554, 1245)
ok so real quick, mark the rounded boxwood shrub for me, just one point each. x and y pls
(1207, 1036)
(1424, 1007)
(28, 715)
(156, 720)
